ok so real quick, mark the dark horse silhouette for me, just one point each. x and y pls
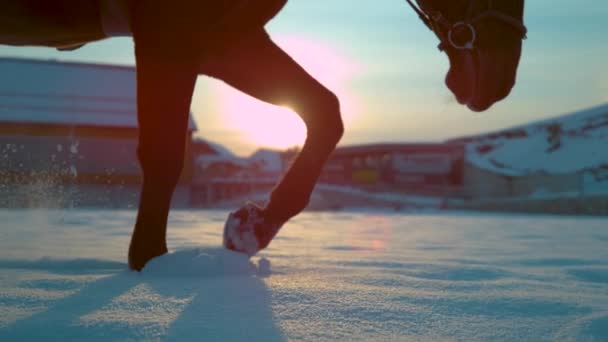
(178, 40)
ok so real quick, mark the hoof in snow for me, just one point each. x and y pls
(246, 230)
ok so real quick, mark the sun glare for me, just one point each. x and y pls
(265, 125)
(262, 124)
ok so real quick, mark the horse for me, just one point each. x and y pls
(174, 42)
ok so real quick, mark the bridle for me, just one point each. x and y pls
(437, 23)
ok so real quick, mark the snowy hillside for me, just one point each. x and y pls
(565, 144)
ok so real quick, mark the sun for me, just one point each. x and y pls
(279, 127)
(260, 123)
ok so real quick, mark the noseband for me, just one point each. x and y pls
(448, 32)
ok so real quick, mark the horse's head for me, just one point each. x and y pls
(482, 39)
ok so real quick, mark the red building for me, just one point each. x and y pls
(396, 164)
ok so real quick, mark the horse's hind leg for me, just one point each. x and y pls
(258, 67)
(164, 90)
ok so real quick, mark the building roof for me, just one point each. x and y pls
(53, 92)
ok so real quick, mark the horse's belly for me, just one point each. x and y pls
(54, 23)
(244, 17)
(253, 13)
(197, 27)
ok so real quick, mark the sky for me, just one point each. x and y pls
(384, 65)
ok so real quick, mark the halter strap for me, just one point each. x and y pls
(435, 20)
(423, 16)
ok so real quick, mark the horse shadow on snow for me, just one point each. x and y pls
(201, 294)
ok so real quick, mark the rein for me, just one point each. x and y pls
(437, 23)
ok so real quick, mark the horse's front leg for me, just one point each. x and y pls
(165, 84)
(258, 67)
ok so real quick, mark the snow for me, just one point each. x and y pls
(528, 155)
(220, 150)
(407, 200)
(367, 275)
(240, 230)
(270, 160)
(566, 144)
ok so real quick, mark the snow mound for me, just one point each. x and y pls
(201, 262)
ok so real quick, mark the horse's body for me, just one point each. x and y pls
(221, 39)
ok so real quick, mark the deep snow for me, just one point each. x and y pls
(327, 276)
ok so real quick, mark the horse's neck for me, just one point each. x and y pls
(514, 8)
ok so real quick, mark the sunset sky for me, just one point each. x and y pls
(384, 65)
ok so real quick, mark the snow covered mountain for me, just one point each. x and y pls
(565, 144)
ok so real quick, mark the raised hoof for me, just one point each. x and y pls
(246, 231)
